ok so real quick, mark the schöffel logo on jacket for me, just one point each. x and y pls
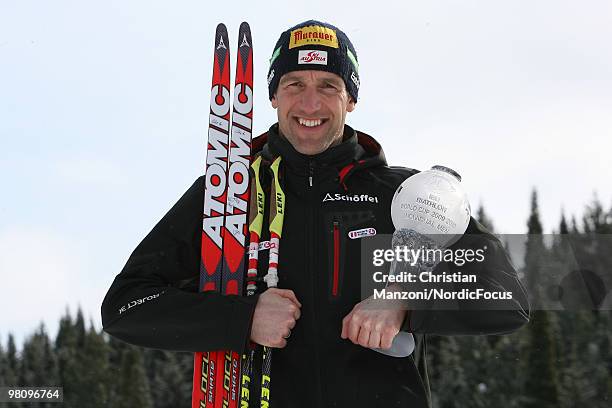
(359, 198)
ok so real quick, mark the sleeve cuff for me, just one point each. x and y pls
(238, 329)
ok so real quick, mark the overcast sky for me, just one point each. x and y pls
(104, 104)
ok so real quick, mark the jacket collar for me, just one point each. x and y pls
(356, 150)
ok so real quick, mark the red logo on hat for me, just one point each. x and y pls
(312, 57)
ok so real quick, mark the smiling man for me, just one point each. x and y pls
(338, 190)
(312, 108)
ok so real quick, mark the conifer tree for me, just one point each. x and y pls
(69, 346)
(79, 325)
(185, 361)
(133, 391)
(451, 382)
(561, 243)
(593, 250)
(577, 386)
(574, 227)
(483, 218)
(116, 349)
(38, 362)
(541, 386)
(95, 369)
(534, 254)
(9, 369)
(168, 378)
(596, 219)
(3, 366)
(65, 349)
(563, 228)
(12, 362)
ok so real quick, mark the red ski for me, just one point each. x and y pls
(205, 363)
(235, 244)
(226, 200)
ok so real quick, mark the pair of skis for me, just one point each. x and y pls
(218, 380)
(226, 196)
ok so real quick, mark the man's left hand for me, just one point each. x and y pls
(373, 323)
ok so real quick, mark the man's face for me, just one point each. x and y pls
(311, 108)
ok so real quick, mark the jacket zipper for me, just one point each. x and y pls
(312, 271)
(336, 259)
(310, 173)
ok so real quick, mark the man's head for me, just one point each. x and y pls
(313, 82)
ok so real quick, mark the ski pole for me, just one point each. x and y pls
(277, 213)
(256, 215)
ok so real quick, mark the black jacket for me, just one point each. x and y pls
(154, 301)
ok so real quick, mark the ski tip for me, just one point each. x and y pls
(221, 32)
(245, 29)
(245, 41)
(221, 39)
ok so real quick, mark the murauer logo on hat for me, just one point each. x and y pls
(313, 35)
(314, 45)
(312, 57)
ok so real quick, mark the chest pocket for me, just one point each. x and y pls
(344, 252)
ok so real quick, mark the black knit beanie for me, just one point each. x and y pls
(314, 45)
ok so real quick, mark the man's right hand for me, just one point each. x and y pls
(275, 315)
